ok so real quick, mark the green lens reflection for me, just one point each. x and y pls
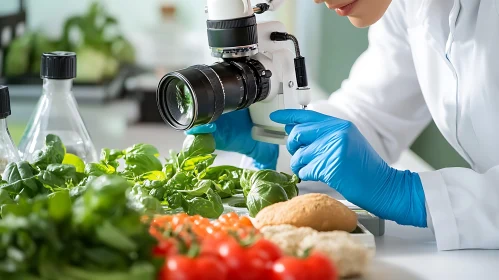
(180, 102)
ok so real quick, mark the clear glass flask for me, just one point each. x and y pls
(57, 111)
(8, 151)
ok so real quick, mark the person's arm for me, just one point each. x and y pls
(382, 94)
(383, 99)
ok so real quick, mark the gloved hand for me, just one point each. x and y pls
(334, 151)
(232, 133)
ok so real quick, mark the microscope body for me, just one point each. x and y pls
(260, 68)
(276, 56)
(284, 91)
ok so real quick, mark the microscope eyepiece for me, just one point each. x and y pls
(200, 94)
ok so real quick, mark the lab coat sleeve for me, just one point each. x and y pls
(464, 207)
(382, 96)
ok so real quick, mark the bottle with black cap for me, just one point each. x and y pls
(57, 111)
(8, 151)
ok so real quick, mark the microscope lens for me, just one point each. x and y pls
(200, 94)
(180, 102)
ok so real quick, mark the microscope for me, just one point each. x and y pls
(260, 68)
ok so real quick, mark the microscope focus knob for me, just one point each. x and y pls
(263, 79)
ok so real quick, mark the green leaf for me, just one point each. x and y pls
(263, 194)
(153, 176)
(225, 189)
(53, 152)
(5, 198)
(200, 189)
(245, 181)
(180, 181)
(198, 163)
(114, 238)
(142, 149)
(59, 175)
(197, 145)
(111, 157)
(59, 205)
(210, 207)
(142, 158)
(75, 161)
(17, 58)
(175, 200)
(169, 170)
(139, 271)
(104, 195)
(287, 182)
(99, 169)
(20, 178)
(19, 210)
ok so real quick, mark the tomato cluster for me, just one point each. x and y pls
(196, 248)
(202, 227)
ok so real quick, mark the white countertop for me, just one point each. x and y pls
(402, 253)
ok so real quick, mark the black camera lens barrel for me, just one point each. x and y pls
(220, 88)
(233, 32)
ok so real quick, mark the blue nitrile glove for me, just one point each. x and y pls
(333, 151)
(232, 132)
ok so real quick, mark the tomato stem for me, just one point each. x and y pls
(244, 242)
(306, 253)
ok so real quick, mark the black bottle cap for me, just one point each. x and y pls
(4, 102)
(58, 65)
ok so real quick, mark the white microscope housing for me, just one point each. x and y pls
(260, 68)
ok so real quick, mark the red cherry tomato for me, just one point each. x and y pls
(314, 267)
(250, 263)
(268, 249)
(165, 248)
(185, 268)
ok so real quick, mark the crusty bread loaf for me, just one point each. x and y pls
(317, 211)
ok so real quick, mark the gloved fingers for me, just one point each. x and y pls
(300, 136)
(305, 134)
(306, 154)
(309, 171)
(297, 116)
(288, 128)
(202, 129)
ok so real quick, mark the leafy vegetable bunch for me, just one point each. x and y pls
(99, 46)
(189, 181)
(97, 235)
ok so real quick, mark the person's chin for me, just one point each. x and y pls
(361, 22)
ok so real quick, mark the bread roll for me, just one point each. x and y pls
(317, 211)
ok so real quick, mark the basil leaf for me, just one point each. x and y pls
(99, 169)
(198, 145)
(59, 205)
(53, 152)
(110, 157)
(21, 178)
(263, 194)
(200, 189)
(210, 207)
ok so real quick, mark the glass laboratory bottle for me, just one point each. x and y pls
(57, 112)
(8, 151)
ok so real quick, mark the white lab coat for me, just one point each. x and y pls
(435, 59)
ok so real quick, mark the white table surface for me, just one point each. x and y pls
(402, 253)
